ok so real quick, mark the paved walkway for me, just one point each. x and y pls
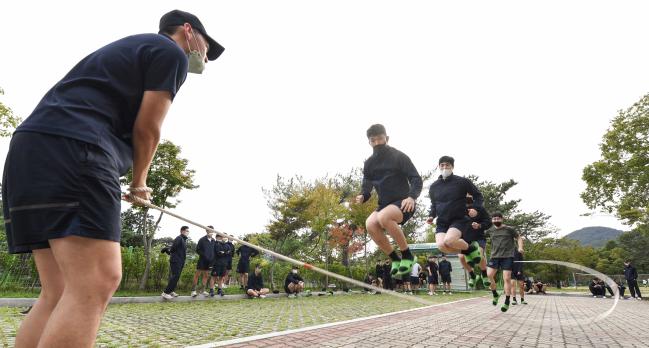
(548, 321)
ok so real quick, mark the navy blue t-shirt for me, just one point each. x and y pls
(98, 100)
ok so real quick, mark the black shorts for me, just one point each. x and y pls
(519, 277)
(446, 278)
(54, 187)
(433, 280)
(460, 224)
(229, 266)
(414, 280)
(243, 267)
(406, 216)
(203, 264)
(218, 269)
(504, 263)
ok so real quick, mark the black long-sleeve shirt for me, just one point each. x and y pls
(221, 250)
(255, 282)
(630, 273)
(445, 267)
(484, 219)
(448, 198)
(392, 174)
(245, 252)
(292, 278)
(205, 248)
(178, 250)
(518, 266)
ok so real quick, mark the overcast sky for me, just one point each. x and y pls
(511, 89)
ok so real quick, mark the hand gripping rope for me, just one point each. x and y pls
(308, 266)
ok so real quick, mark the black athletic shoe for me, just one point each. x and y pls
(212, 292)
(220, 292)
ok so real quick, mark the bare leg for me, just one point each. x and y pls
(483, 260)
(513, 286)
(507, 277)
(93, 269)
(376, 232)
(491, 273)
(464, 263)
(206, 276)
(52, 285)
(389, 218)
(454, 240)
(439, 240)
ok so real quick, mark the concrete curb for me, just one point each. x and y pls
(26, 302)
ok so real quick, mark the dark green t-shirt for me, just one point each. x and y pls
(503, 241)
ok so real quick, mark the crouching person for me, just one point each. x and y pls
(255, 287)
(294, 284)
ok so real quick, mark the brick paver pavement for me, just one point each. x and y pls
(547, 321)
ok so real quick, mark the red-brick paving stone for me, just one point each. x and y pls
(547, 321)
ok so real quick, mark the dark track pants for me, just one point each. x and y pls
(175, 268)
(633, 287)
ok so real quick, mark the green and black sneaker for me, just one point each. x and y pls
(523, 301)
(494, 301)
(504, 308)
(473, 258)
(485, 282)
(472, 282)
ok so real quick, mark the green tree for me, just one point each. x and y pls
(619, 181)
(533, 226)
(168, 176)
(8, 121)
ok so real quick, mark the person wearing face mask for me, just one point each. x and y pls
(448, 204)
(398, 184)
(503, 244)
(475, 232)
(221, 251)
(177, 255)
(293, 284)
(61, 184)
(205, 251)
(228, 268)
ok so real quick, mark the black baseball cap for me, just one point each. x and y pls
(178, 17)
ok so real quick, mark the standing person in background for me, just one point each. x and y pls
(61, 184)
(433, 279)
(518, 278)
(388, 282)
(228, 268)
(412, 283)
(379, 273)
(220, 263)
(445, 270)
(205, 251)
(631, 276)
(178, 254)
(243, 267)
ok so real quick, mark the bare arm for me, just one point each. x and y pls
(520, 244)
(146, 134)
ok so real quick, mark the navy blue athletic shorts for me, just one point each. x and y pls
(406, 216)
(433, 279)
(461, 224)
(446, 277)
(218, 269)
(204, 264)
(243, 266)
(504, 263)
(54, 187)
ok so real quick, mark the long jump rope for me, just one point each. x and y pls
(360, 284)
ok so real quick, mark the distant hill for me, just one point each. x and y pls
(595, 236)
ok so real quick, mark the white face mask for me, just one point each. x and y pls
(196, 59)
(294, 271)
(446, 172)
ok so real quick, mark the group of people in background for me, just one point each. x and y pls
(215, 254)
(598, 287)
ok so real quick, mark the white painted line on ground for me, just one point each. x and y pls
(321, 326)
